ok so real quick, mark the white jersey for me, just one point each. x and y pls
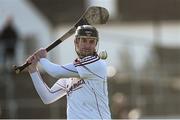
(86, 89)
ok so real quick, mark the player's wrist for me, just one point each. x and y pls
(32, 70)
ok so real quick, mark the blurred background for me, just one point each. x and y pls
(141, 38)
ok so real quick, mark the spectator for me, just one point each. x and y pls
(8, 38)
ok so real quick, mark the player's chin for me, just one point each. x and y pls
(87, 53)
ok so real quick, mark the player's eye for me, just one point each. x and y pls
(92, 41)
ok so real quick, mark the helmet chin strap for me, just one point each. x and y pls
(97, 47)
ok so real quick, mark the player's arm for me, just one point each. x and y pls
(53, 69)
(58, 71)
(48, 95)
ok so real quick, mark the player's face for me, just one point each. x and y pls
(85, 46)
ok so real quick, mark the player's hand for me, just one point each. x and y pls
(41, 53)
(33, 59)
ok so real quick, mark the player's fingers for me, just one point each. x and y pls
(42, 53)
(35, 59)
(32, 59)
(29, 59)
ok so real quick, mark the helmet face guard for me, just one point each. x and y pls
(86, 31)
